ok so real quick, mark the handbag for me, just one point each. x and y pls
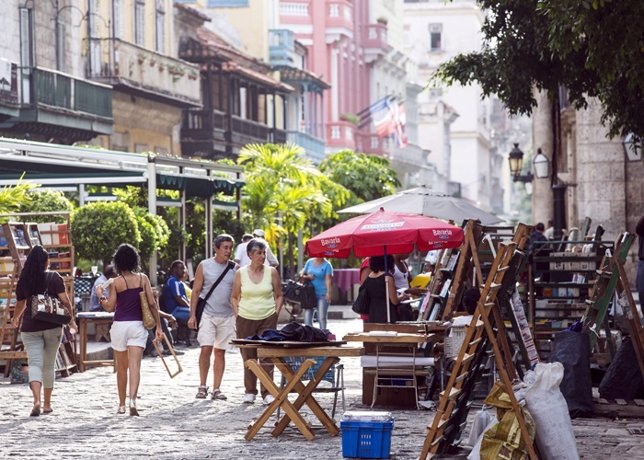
(47, 308)
(361, 304)
(308, 299)
(300, 293)
(201, 302)
(148, 319)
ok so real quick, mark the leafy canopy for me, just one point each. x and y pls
(99, 228)
(593, 48)
(281, 181)
(367, 177)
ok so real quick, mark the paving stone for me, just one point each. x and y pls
(175, 425)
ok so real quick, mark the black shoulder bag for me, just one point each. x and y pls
(201, 303)
(48, 308)
(361, 304)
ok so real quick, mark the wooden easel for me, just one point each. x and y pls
(612, 276)
(604, 287)
(453, 404)
(468, 258)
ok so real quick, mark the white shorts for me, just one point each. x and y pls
(128, 334)
(216, 331)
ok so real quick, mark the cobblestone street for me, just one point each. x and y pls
(173, 424)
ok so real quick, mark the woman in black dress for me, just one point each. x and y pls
(377, 292)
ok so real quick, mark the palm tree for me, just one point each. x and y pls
(283, 189)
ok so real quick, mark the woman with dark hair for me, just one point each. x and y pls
(256, 301)
(376, 289)
(127, 333)
(41, 339)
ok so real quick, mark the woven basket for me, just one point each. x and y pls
(454, 341)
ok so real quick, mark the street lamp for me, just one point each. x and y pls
(632, 147)
(540, 162)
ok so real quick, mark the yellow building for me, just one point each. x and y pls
(131, 45)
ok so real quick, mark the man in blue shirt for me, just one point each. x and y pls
(175, 300)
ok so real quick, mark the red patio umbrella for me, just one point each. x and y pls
(384, 232)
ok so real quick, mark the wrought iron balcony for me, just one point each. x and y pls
(63, 107)
(61, 91)
(124, 64)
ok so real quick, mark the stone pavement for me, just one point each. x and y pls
(174, 425)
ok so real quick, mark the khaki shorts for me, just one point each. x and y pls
(128, 334)
(216, 331)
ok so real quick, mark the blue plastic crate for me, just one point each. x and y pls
(365, 439)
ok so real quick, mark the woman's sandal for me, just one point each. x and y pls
(35, 411)
(133, 411)
(121, 410)
(202, 392)
(47, 411)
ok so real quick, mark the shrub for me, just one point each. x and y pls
(42, 200)
(99, 228)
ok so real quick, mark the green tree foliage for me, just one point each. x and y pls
(367, 177)
(284, 190)
(43, 200)
(12, 198)
(281, 181)
(154, 233)
(99, 228)
(594, 48)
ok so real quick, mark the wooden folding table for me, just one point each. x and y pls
(277, 353)
(84, 318)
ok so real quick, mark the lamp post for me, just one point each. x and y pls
(632, 148)
(540, 163)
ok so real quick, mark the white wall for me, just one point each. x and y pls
(468, 160)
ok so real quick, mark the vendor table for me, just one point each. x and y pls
(397, 362)
(97, 318)
(277, 353)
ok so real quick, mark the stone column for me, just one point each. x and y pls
(542, 137)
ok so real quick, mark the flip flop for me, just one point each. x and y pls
(121, 410)
(47, 411)
(35, 412)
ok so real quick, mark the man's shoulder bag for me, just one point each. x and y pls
(201, 302)
(48, 308)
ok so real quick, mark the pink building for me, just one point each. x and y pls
(341, 43)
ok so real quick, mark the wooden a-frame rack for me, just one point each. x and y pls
(612, 276)
(453, 402)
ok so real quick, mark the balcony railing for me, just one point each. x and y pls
(121, 63)
(282, 47)
(203, 124)
(63, 91)
(201, 129)
(371, 143)
(313, 146)
(340, 17)
(374, 40)
(340, 135)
